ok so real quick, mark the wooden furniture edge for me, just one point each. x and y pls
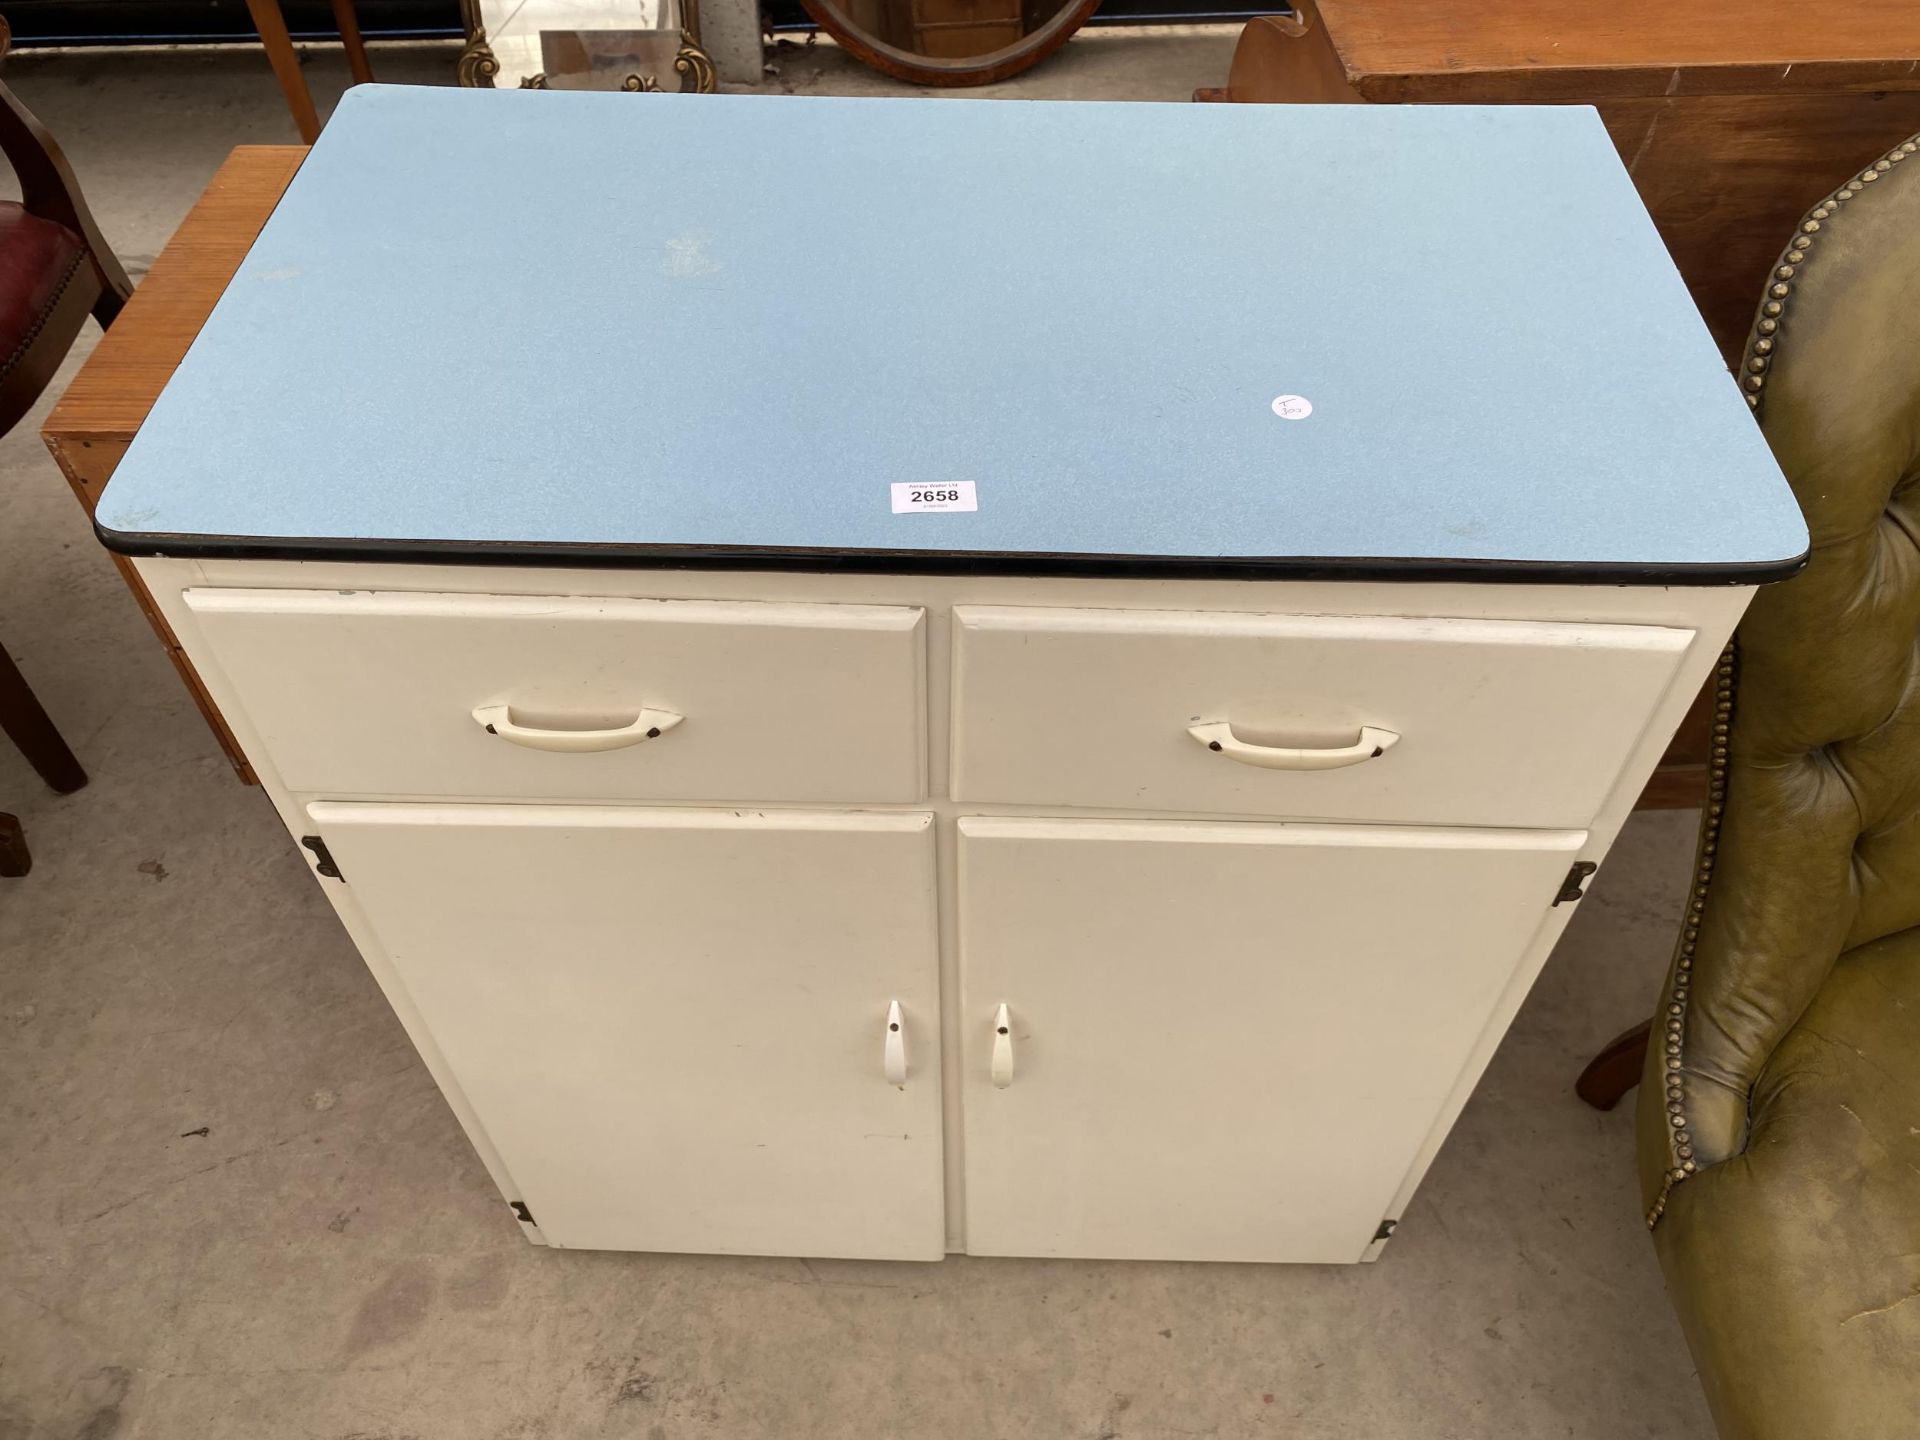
(1589, 84)
(95, 420)
(116, 387)
(1324, 68)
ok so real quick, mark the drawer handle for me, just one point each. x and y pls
(1002, 1071)
(1218, 735)
(498, 720)
(896, 1054)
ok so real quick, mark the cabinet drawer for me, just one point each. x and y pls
(1461, 722)
(376, 693)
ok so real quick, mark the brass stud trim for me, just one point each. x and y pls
(1758, 358)
(1680, 1138)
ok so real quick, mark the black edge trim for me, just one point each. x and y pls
(941, 562)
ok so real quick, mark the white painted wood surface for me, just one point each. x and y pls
(1707, 614)
(1499, 722)
(674, 1022)
(1228, 1037)
(373, 692)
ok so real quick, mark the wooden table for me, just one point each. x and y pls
(91, 427)
(1733, 117)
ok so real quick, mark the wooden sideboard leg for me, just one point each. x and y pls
(349, 25)
(31, 728)
(1616, 1069)
(14, 859)
(278, 44)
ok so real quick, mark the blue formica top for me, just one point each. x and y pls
(571, 328)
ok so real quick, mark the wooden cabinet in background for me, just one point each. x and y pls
(958, 29)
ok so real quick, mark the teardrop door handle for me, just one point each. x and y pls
(1002, 1049)
(896, 1046)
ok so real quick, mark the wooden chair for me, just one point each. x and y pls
(55, 270)
(1779, 1154)
(28, 726)
(55, 267)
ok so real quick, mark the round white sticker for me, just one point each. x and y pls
(1292, 407)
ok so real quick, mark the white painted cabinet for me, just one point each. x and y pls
(664, 737)
(1226, 1040)
(1260, 873)
(674, 1022)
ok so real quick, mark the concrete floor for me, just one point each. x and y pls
(241, 1209)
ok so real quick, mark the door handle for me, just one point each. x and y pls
(1218, 735)
(896, 1047)
(647, 725)
(1002, 1050)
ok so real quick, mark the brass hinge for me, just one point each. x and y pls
(1576, 877)
(323, 858)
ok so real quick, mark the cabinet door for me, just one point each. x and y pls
(1227, 1041)
(673, 1024)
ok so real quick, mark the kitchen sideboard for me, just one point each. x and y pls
(1073, 741)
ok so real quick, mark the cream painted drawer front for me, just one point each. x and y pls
(1226, 1039)
(1454, 722)
(371, 692)
(672, 1023)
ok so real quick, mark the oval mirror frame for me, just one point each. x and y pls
(982, 69)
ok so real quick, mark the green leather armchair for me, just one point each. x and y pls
(1779, 1123)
